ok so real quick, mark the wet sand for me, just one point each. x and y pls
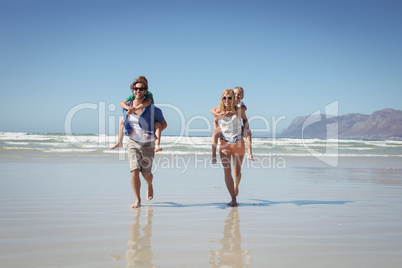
(64, 211)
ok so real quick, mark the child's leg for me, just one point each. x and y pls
(248, 142)
(119, 143)
(158, 131)
(215, 136)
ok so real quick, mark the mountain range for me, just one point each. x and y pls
(380, 125)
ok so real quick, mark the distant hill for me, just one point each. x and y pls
(380, 125)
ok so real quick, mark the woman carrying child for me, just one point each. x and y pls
(239, 95)
(232, 145)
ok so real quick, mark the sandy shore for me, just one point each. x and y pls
(63, 211)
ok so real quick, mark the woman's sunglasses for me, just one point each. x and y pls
(229, 98)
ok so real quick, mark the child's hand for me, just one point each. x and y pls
(130, 110)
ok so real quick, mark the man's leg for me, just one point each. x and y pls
(136, 184)
(148, 153)
(150, 190)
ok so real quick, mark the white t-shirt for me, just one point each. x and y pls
(138, 133)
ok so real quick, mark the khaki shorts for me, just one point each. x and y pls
(140, 155)
(237, 148)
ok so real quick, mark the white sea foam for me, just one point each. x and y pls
(69, 150)
(16, 143)
(60, 143)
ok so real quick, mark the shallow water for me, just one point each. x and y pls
(61, 210)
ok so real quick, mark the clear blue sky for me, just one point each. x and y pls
(291, 57)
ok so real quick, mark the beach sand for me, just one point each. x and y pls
(73, 211)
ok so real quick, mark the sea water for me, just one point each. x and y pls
(183, 145)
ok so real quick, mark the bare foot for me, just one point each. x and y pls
(232, 204)
(150, 192)
(158, 149)
(250, 157)
(136, 205)
(214, 161)
(117, 145)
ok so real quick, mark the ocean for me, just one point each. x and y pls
(88, 144)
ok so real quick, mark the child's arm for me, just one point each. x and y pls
(131, 109)
(124, 105)
(215, 111)
(218, 114)
(144, 104)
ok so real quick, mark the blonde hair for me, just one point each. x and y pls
(241, 90)
(221, 104)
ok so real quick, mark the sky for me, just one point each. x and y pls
(66, 65)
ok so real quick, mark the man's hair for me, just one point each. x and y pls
(140, 79)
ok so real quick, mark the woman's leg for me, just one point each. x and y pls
(237, 163)
(225, 160)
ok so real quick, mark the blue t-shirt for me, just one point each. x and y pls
(146, 121)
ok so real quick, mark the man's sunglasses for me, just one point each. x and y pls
(139, 88)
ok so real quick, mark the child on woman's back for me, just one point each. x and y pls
(239, 95)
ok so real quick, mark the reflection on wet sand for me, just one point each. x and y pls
(139, 253)
(231, 254)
